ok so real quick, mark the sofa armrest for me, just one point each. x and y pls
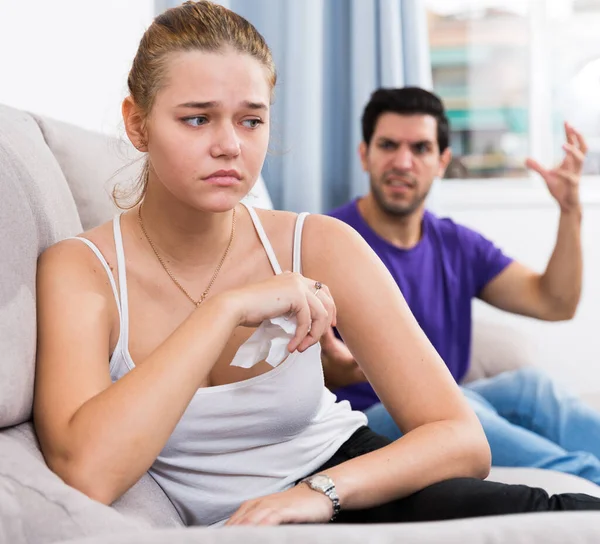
(37, 506)
(145, 501)
(497, 347)
(550, 480)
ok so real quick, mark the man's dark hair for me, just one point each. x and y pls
(405, 101)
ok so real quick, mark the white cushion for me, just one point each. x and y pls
(550, 480)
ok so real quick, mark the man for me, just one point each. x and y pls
(440, 266)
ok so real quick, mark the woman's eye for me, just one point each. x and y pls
(252, 123)
(195, 121)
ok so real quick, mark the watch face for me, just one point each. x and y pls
(320, 481)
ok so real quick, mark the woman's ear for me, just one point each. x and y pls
(134, 124)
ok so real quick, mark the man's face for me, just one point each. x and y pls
(402, 161)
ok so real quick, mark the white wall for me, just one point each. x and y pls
(522, 219)
(69, 59)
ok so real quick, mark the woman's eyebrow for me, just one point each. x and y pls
(214, 104)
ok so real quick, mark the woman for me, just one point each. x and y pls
(170, 291)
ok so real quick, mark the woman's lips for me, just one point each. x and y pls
(222, 181)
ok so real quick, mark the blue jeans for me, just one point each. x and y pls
(528, 421)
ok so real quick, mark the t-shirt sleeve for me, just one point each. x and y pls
(485, 259)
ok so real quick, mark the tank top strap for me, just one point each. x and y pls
(122, 271)
(297, 254)
(104, 263)
(264, 239)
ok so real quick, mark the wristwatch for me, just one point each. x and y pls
(324, 484)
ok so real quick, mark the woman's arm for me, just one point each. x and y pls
(101, 437)
(443, 438)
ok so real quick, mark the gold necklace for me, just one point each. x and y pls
(181, 287)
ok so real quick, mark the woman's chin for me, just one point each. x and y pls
(219, 203)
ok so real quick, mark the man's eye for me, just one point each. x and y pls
(195, 121)
(252, 123)
(387, 145)
(421, 148)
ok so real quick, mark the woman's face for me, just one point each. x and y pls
(208, 130)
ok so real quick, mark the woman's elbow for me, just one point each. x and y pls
(93, 488)
(86, 479)
(483, 462)
(478, 451)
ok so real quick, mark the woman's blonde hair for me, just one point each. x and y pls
(193, 26)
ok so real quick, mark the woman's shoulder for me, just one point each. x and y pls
(323, 237)
(73, 258)
(275, 217)
(280, 218)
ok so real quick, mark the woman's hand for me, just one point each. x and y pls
(291, 295)
(300, 504)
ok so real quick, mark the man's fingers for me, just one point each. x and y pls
(574, 137)
(571, 177)
(536, 167)
(581, 143)
(570, 135)
(576, 153)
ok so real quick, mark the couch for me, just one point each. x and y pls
(55, 181)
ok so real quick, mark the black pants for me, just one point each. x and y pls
(451, 499)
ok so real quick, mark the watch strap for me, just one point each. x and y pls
(330, 492)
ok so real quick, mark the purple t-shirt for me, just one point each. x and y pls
(438, 277)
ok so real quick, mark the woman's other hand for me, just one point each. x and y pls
(300, 504)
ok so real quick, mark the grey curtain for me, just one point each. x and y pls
(330, 55)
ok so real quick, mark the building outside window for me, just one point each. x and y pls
(509, 72)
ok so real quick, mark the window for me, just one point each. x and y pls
(509, 72)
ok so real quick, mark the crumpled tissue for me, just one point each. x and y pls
(268, 342)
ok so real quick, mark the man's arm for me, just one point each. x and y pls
(553, 295)
(339, 366)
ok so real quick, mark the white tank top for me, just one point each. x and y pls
(247, 439)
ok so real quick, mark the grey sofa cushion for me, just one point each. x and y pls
(45, 508)
(145, 500)
(11, 524)
(37, 210)
(556, 528)
(92, 164)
